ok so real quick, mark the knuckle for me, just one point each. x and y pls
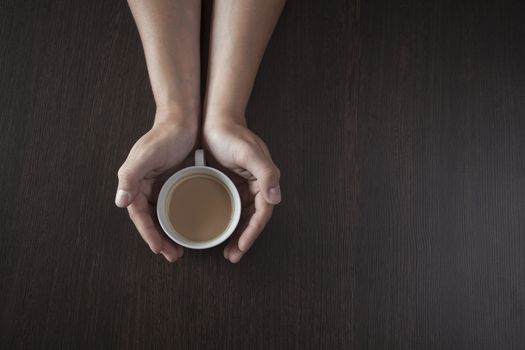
(277, 172)
(259, 221)
(123, 172)
(271, 172)
(132, 215)
(155, 246)
(244, 155)
(147, 151)
(142, 155)
(255, 228)
(256, 225)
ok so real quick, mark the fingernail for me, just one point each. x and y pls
(180, 252)
(242, 245)
(235, 258)
(166, 256)
(275, 194)
(122, 198)
(156, 249)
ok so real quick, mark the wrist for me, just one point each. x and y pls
(175, 114)
(186, 121)
(215, 117)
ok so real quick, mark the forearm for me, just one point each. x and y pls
(170, 34)
(239, 35)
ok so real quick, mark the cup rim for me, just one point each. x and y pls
(166, 225)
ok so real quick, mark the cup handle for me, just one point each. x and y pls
(199, 158)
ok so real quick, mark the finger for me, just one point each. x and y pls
(259, 219)
(266, 173)
(245, 194)
(150, 189)
(138, 164)
(152, 237)
(140, 214)
(234, 253)
(231, 245)
(234, 240)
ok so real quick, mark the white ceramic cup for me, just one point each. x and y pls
(200, 168)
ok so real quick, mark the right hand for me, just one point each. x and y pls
(153, 158)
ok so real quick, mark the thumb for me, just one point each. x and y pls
(267, 174)
(129, 176)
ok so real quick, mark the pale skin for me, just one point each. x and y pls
(169, 31)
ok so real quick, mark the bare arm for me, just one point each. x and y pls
(239, 34)
(170, 33)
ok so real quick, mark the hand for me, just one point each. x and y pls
(153, 158)
(239, 150)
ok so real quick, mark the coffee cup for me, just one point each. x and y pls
(194, 195)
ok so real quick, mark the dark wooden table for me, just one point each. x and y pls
(399, 127)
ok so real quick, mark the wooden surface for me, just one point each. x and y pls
(399, 127)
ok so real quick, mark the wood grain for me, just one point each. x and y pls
(399, 128)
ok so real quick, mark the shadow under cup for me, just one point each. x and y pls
(164, 200)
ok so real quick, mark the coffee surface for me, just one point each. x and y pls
(199, 207)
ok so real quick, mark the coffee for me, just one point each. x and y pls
(200, 207)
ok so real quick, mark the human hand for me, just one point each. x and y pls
(153, 158)
(242, 152)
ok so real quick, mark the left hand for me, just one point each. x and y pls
(242, 152)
